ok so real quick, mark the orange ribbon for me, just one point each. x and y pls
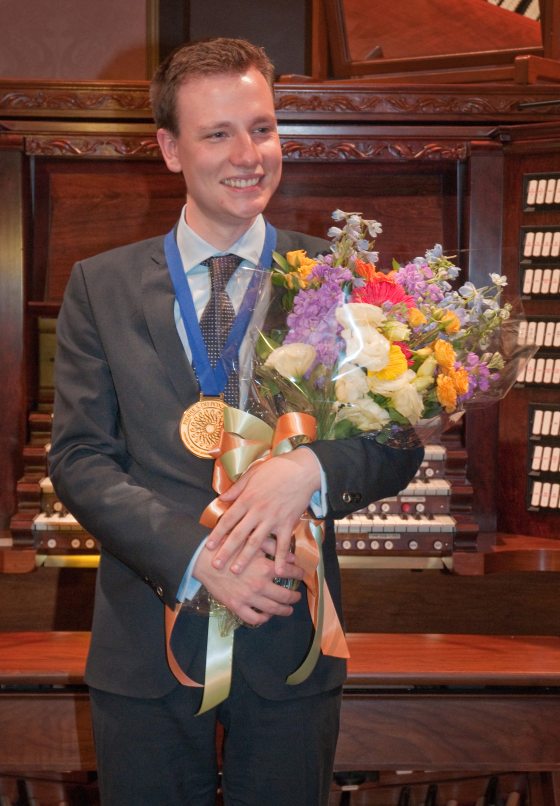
(290, 426)
(247, 441)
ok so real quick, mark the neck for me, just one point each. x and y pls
(220, 235)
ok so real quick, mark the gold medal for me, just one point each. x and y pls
(201, 426)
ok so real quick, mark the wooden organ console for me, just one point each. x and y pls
(476, 168)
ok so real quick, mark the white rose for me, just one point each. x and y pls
(388, 388)
(291, 360)
(365, 414)
(409, 403)
(351, 384)
(357, 314)
(367, 347)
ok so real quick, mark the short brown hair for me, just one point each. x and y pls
(205, 57)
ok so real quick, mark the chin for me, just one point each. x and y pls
(251, 209)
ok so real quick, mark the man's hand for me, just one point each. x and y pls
(252, 594)
(267, 500)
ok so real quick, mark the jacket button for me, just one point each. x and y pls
(351, 498)
(159, 591)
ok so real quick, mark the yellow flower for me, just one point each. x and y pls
(451, 322)
(396, 365)
(302, 265)
(446, 393)
(460, 378)
(445, 354)
(416, 317)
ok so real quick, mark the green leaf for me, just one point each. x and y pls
(265, 345)
(281, 261)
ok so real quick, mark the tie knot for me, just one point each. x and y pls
(221, 269)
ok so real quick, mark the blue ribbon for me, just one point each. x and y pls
(213, 380)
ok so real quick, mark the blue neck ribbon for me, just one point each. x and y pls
(213, 380)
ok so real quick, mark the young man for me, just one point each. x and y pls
(124, 379)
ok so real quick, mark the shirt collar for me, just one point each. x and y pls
(194, 249)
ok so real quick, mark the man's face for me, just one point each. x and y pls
(228, 150)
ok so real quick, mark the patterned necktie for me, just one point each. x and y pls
(218, 317)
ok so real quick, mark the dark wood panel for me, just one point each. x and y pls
(47, 599)
(416, 204)
(13, 231)
(519, 603)
(516, 603)
(84, 208)
(476, 732)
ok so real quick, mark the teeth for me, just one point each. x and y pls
(242, 183)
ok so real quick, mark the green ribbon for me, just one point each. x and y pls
(219, 655)
(303, 672)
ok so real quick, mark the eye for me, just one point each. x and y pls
(217, 135)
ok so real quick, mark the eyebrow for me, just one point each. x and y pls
(224, 124)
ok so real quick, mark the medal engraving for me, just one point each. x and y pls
(201, 426)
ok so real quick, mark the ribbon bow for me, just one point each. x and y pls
(247, 440)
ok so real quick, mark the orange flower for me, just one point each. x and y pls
(416, 317)
(451, 322)
(460, 378)
(445, 354)
(446, 393)
(365, 270)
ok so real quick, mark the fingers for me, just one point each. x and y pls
(252, 595)
(268, 499)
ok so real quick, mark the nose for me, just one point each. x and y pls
(244, 150)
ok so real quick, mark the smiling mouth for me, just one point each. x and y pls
(242, 183)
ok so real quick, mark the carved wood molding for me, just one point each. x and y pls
(407, 102)
(130, 99)
(100, 146)
(61, 97)
(326, 150)
(301, 149)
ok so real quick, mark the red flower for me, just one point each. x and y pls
(382, 289)
(406, 352)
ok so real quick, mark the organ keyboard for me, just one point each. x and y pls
(416, 521)
(364, 533)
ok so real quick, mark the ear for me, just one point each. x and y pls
(168, 146)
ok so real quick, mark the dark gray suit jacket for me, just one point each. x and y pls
(117, 462)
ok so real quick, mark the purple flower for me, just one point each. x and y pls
(330, 275)
(480, 376)
(413, 277)
(313, 321)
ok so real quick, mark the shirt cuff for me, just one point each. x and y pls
(318, 503)
(190, 585)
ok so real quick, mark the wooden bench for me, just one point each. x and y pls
(411, 702)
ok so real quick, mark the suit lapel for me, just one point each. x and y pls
(158, 298)
(283, 244)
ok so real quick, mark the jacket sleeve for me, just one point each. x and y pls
(90, 466)
(360, 470)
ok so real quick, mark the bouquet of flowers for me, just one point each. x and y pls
(395, 353)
